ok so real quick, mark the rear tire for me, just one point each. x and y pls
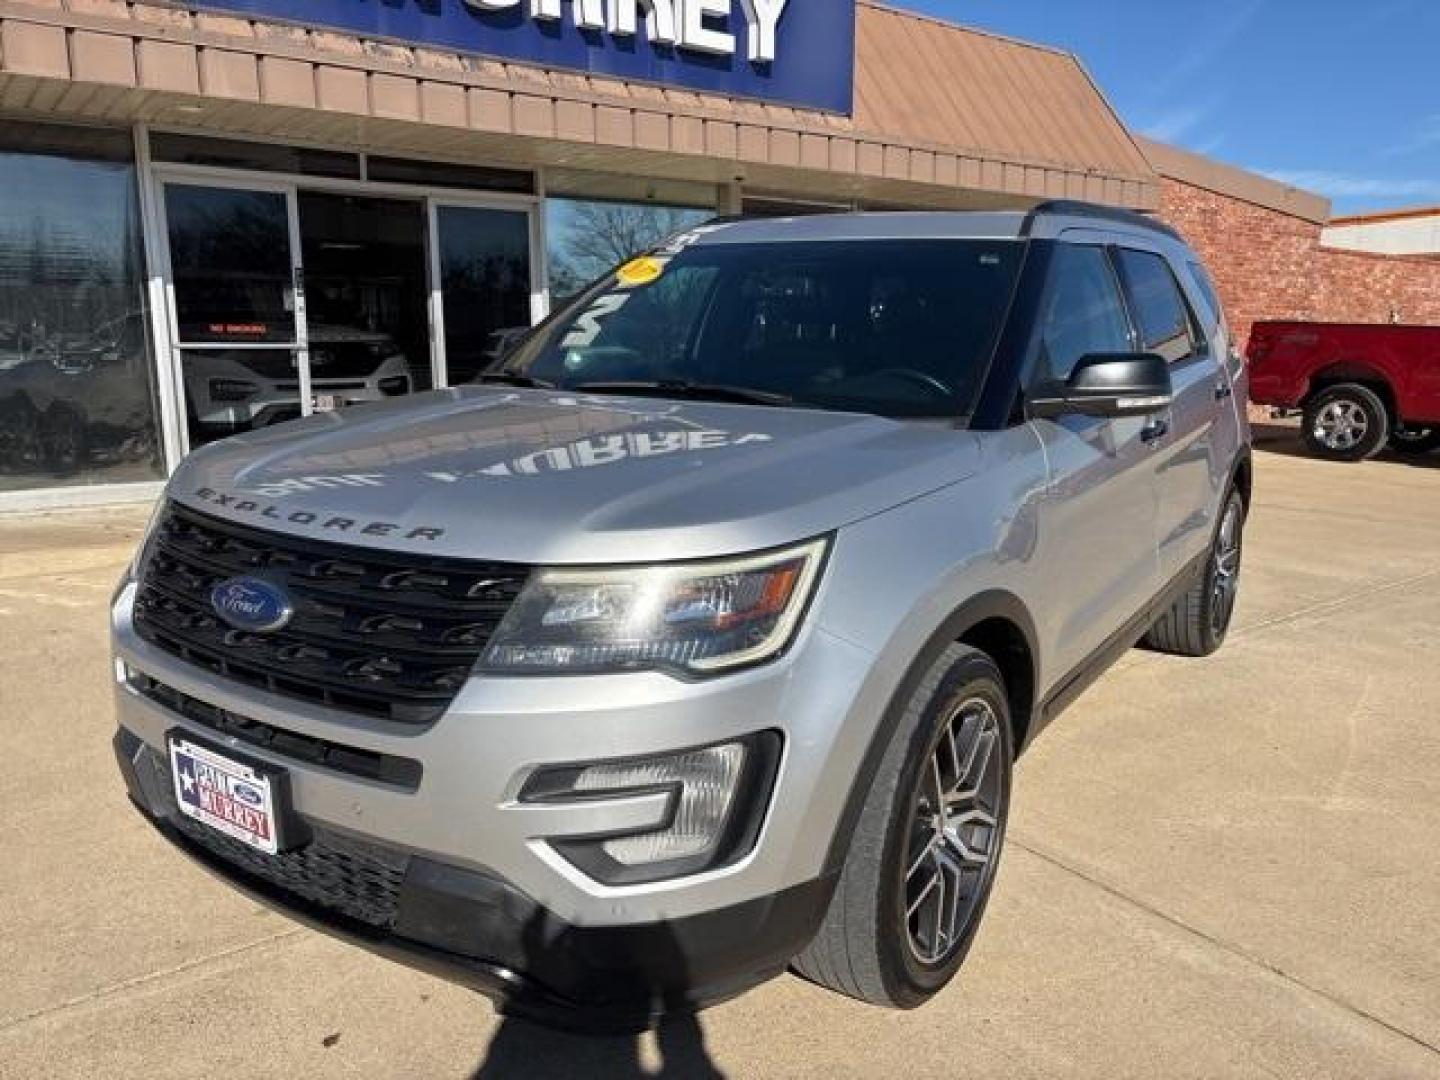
(1197, 623)
(1348, 422)
(923, 857)
(1415, 441)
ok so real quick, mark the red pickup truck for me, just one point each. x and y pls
(1359, 386)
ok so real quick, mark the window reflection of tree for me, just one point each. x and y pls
(589, 238)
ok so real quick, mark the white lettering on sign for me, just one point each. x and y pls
(660, 25)
(764, 19)
(695, 30)
(699, 25)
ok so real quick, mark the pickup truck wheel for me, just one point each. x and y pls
(924, 854)
(1198, 621)
(1346, 423)
(1415, 441)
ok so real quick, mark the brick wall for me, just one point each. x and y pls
(1357, 286)
(1270, 265)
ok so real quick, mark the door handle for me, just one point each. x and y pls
(1156, 430)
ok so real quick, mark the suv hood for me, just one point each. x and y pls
(548, 477)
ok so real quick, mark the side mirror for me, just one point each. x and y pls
(1106, 385)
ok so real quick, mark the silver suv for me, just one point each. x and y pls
(698, 640)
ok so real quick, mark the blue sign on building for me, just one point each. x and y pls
(794, 52)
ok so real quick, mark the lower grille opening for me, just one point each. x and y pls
(400, 772)
(360, 880)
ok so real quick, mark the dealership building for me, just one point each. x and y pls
(216, 217)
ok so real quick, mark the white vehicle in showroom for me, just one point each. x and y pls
(232, 390)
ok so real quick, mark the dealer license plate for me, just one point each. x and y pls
(224, 794)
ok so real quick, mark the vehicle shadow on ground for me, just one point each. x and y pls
(1285, 441)
(523, 1049)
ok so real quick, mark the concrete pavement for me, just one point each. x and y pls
(1217, 868)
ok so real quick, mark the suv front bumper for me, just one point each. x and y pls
(476, 930)
(477, 890)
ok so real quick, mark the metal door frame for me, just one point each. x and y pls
(173, 345)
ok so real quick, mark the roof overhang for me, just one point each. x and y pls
(1049, 134)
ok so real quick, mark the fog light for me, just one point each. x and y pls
(718, 796)
(395, 385)
(232, 390)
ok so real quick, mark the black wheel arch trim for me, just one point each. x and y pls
(1242, 477)
(985, 606)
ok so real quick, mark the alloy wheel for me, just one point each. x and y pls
(1341, 425)
(1225, 577)
(954, 831)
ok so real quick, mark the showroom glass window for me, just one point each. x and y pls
(586, 238)
(77, 404)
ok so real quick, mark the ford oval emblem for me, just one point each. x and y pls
(248, 603)
(248, 794)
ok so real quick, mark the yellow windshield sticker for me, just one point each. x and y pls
(641, 271)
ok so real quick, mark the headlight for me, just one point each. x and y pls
(694, 618)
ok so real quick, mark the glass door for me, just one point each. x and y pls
(237, 306)
(487, 289)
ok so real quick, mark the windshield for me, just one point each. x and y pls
(897, 328)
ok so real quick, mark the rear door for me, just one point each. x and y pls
(1097, 527)
(1189, 461)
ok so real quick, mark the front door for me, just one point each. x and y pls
(237, 306)
(1097, 521)
(366, 285)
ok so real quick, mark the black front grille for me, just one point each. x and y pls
(378, 633)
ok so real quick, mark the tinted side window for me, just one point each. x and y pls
(1082, 313)
(1159, 307)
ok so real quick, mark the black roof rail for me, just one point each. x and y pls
(1075, 208)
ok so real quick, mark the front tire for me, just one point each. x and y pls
(1348, 422)
(923, 858)
(1197, 623)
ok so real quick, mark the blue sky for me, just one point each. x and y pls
(1338, 97)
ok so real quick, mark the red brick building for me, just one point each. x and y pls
(1262, 242)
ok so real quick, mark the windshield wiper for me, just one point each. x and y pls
(514, 378)
(683, 388)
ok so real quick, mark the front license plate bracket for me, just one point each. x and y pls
(233, 793)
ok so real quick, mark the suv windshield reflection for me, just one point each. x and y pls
(897, 328)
